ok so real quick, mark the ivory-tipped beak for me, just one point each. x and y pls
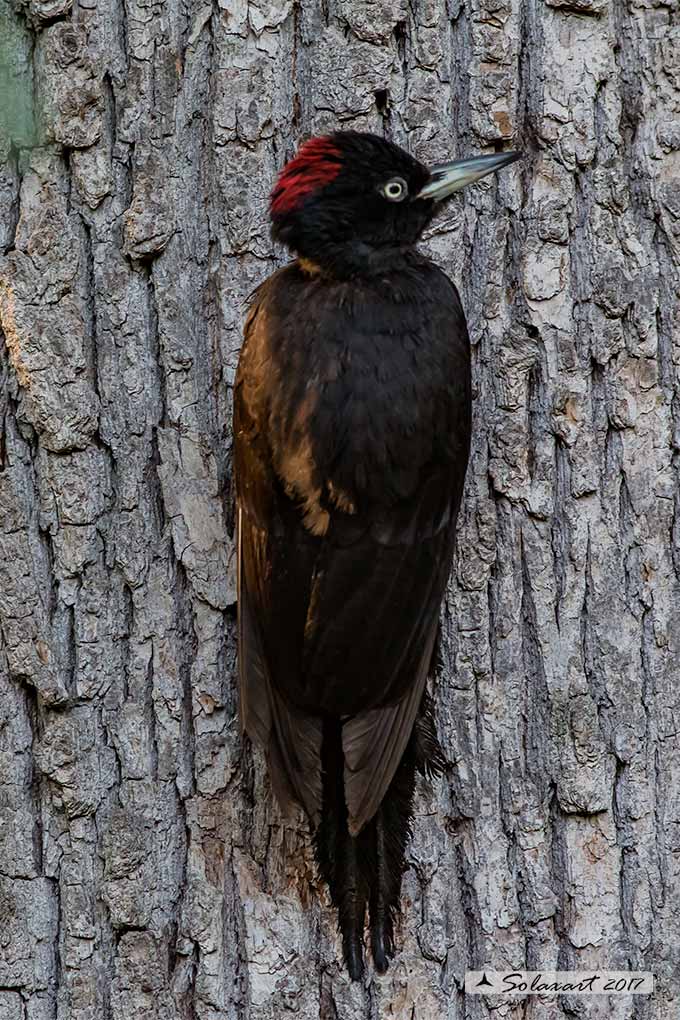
(445, 178)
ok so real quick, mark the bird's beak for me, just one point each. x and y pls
(445, 178)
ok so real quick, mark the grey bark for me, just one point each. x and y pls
(144, 869)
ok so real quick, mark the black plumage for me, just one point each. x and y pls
(352, 432)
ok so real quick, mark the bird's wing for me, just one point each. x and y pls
(374, 742)
(292, 739)
(373, 625)
(338, 607)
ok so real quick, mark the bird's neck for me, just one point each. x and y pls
(355, 260)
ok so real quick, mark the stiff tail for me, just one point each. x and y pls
(367, 869)
(337, 852)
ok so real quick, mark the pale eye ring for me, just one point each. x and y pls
(395, 190)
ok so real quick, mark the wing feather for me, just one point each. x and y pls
(291, 739)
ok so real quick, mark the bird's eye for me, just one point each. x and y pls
(395, 190)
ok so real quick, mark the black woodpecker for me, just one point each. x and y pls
(351, 438)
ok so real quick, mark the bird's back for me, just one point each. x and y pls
(352, 436)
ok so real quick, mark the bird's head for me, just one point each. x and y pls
(349, 202)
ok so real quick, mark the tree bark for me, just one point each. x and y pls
(144, 869)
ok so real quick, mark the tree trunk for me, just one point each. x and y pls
(144, 870)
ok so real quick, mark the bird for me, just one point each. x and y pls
(351, 438)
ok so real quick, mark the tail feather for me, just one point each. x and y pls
(427, 752)
(381, 914)
(368, 868)
(389, 833)
(337, 852)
